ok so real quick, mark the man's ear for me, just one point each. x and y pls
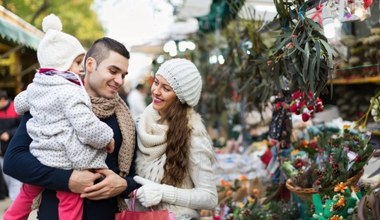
(90, 64)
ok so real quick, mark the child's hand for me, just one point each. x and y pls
(111, 146)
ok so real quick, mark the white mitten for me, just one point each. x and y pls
(150, 193)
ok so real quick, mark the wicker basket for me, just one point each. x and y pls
(355, 179)
(303, 193)
(306, 193)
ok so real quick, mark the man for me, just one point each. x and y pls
(106, 65)
(9, 121)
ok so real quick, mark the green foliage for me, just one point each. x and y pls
(77, 16)
(249, 63)
(275, 210)
(242, 76)
(221, 13)
(301, 55)
(339, 204)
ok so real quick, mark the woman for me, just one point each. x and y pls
(175, 155)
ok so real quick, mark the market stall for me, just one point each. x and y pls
(18, 45)
(314, 157)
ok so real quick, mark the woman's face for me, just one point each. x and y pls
(163, 94)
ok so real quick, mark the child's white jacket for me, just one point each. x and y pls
(66, 133)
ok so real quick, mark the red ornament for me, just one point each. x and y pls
(266, 157)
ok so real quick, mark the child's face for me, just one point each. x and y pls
(77, 67)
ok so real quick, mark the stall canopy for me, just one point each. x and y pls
(18, 44)
(15, 29)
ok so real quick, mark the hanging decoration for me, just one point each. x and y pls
(317, 16)
(305, 105)
(302, 53)
(350, 10)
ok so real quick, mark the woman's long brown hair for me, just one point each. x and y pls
(178, 144)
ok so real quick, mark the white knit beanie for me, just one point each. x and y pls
(185, 79)
(57, 49)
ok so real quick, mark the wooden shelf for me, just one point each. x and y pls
(7, 84)
(375, 79)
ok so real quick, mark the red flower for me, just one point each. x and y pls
(293, 108)
(310, 107)
(296, 95)
(278, 105)
(319, 108)
(301, 104)
(290, 45)
(313, 144)
(367, 3)
(305, 116)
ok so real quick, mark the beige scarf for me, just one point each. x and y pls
(104, 108)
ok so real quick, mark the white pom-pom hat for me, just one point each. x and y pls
(57, 49)
(185, 79)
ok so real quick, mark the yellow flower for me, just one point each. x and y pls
(304, 143)
(240, 204)
(341, 202)
(346, 126)
(340, 187)
(229, 192)
(250, 200)
(336, 217)
(225, 183)
(294, 152)
(362, 128)
(256, 192)
(243, 178)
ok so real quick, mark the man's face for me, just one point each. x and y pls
(105, 78)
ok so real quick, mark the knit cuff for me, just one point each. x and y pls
(169, 194)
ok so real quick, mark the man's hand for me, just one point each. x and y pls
(79, 180)
(111, 186)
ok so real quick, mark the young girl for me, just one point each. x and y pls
(66, 133)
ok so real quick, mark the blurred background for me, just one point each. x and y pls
(238, 45)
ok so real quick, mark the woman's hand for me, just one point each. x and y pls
(111, 186)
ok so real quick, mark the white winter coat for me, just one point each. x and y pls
(66, 133)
